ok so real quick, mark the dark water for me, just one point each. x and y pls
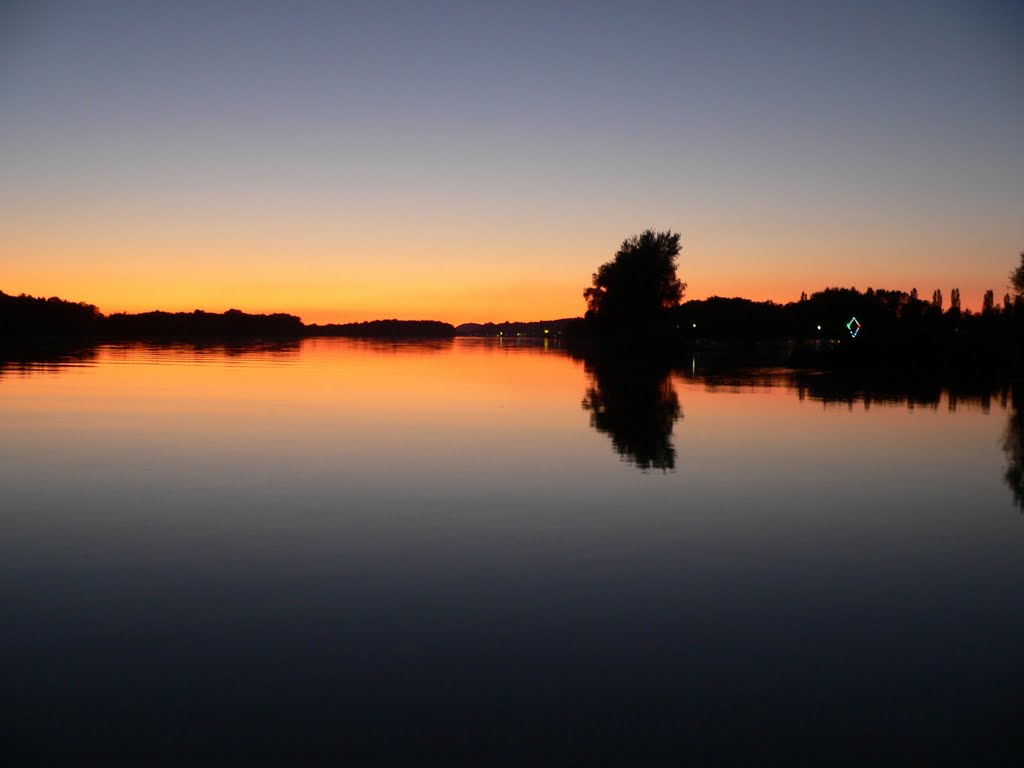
(461, 552)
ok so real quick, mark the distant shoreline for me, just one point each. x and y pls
(834, 329)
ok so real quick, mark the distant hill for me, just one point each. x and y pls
(29, 319)
(30, 315)
(538, 329)
(234, 322)
(373, 329)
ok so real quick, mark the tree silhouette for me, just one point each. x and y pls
(988, 303)
(1017, 278)
(29, 315)
(640, 282)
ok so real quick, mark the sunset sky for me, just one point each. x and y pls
(474, 161)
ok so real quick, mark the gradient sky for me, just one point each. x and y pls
(470, 161)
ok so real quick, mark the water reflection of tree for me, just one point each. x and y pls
(908, 391)
(44, 356)
(1013, 444)
(58, 355)
(634, 402)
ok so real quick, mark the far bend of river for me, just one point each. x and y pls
(468, 552)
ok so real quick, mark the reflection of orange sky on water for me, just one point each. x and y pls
(465, 375)
(473, 402)
(462, 381)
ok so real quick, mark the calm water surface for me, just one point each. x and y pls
(464, 551)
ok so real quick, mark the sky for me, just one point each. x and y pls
(474, 161)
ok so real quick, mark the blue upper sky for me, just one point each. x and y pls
(477, 145)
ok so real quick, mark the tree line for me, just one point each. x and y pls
(635, 303)
(385, 329)
(29, 317)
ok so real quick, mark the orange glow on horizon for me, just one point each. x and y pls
(513, 280)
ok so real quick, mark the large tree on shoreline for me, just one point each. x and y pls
(1017, 278)
(639, 282)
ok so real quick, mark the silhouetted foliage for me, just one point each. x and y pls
(185, 325)
(729, 319)
(892, 329)
(638, 284)
(539, 329)
(1017, 278)
(988, 303)
(375, 329)
(27, 316)
(30, 316)
(633, 401)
